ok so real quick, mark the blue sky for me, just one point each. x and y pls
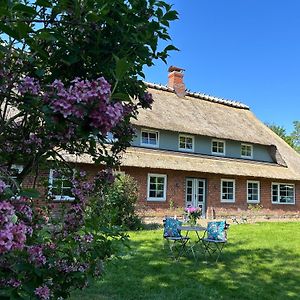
(244, 50)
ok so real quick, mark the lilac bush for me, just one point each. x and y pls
(57, 253)
(69, 78)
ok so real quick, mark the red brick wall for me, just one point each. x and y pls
(176, 192)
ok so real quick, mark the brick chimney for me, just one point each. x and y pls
(176, 80)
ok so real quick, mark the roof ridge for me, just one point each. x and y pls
(202, 96)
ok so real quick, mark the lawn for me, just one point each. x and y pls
(261, 261)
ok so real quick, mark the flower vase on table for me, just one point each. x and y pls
(192, 221)
(192, 214)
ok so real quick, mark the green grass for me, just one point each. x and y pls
(261, 261)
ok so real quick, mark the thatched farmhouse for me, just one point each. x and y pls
(196, 150)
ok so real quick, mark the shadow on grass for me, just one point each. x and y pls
(243, 272)
(151, 226)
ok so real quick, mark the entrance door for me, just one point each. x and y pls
(195, 193)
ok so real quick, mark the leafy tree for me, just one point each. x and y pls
(66, 39)
(70, 74)
(281, 131)
(296, 135)
(293, 139)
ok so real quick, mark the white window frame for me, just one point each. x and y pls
(246, 156)
(161, 199)
(221, 192)
(17, 167)
(186, 136)
(283, 203)
(149, 131)
(258, 194)
(218, 141)
(57, 197)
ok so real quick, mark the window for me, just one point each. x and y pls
(246, 151)
(253, 191)
(227, 190)
(60, 187)
(283, 193)
(149, 138)
(218, 147)
(16, 170)
(157, 186)
(186, 142)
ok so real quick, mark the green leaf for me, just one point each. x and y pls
(9, 31)
(30, 193)
(23, 29)
(71, 59)
(170, 48)
(122, 66)
(47, 36)
(92, 17)
(40, 72)
(121, 96)
(24, 8)
(43, 3)
(171, 15)
(3, 49)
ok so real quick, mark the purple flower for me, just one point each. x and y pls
(14, 282)
(29, 85)
(146, 100)
(36, 255)
(3, 186)
(107, 175)
(88, 238)
(43, 292)
(19, 233)
(6, 240)
(7, 211)
(82, 173)
(25, 210)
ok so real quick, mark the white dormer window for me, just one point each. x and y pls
(186, 142)
(218, 147)
(246, 151)
(149, 138)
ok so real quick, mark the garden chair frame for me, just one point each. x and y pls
(212, 246)
(180, 241)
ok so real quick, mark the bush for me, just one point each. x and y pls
(121, 198)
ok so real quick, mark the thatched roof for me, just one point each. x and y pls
(214, 117)
(202, 115)
(209, 116)
(159, 159)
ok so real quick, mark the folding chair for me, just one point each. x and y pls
(215, 238)
(174, 238)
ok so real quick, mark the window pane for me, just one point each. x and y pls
(152, 186)
(149, 138)
(160, 194)
(152, 194)
(160, 180)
